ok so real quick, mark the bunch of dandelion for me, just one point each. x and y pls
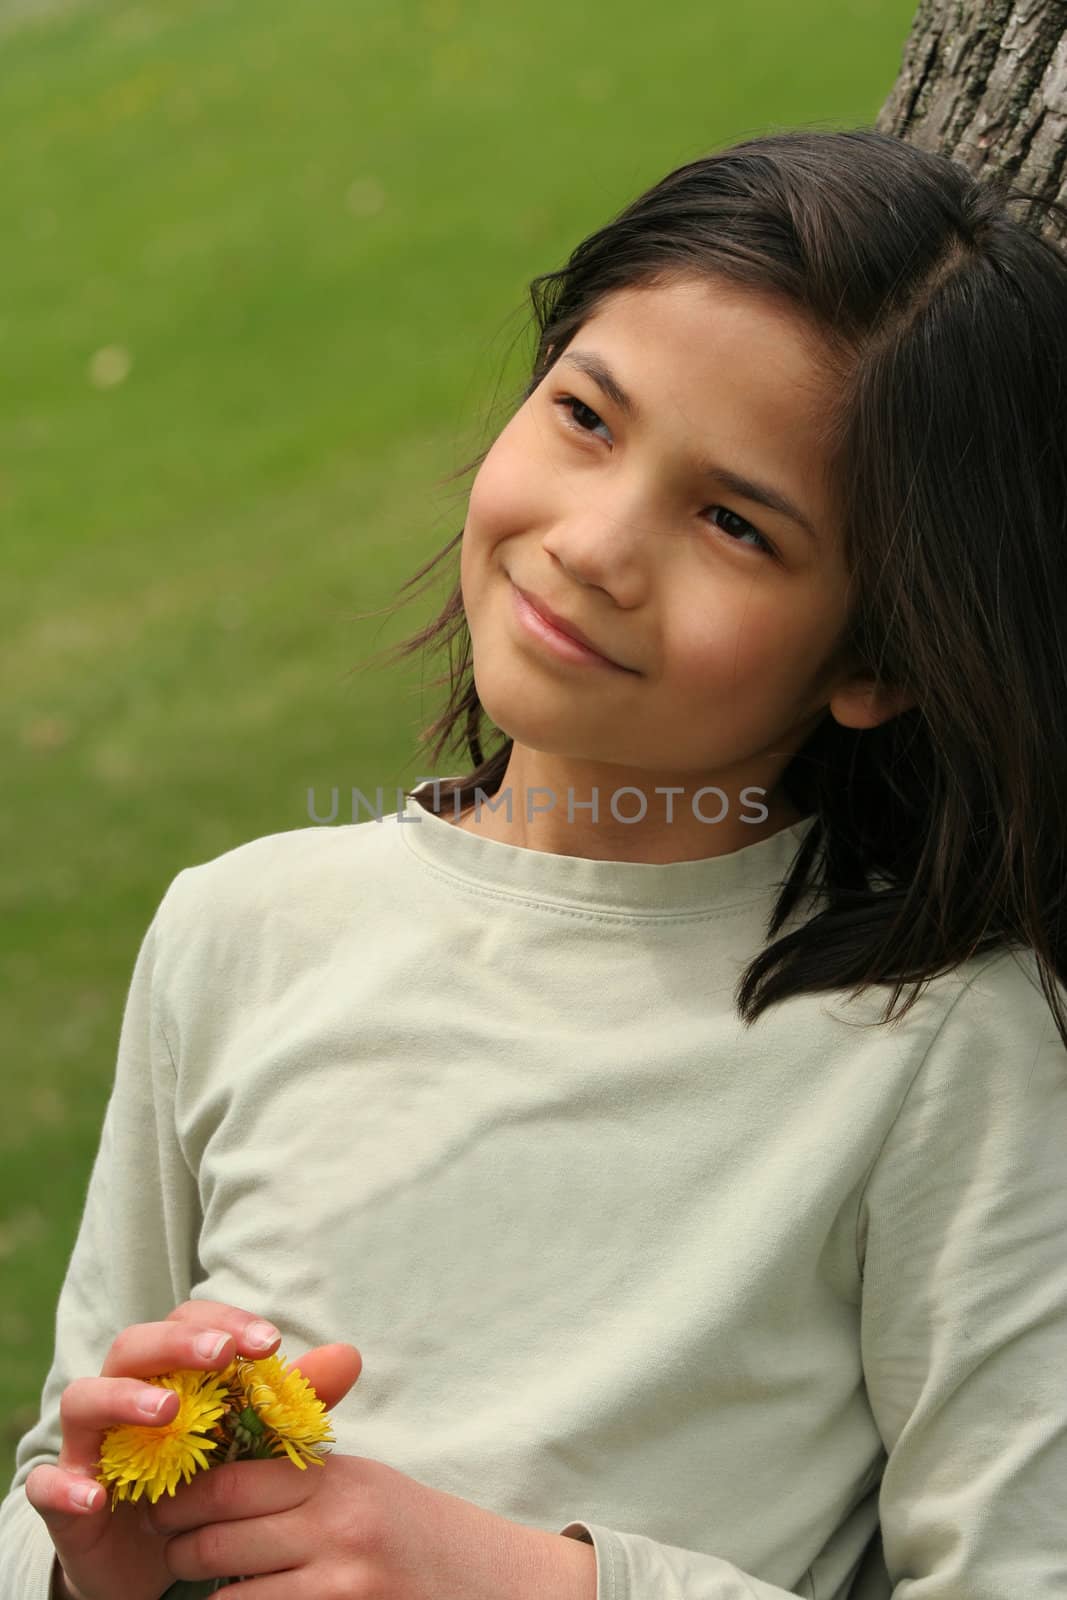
(249, 1410)
(273, 1411)
(137, 1460)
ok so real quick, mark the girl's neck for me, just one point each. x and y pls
(608, 840)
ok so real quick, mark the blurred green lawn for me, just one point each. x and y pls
(264, 266)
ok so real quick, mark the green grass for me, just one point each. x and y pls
(304, 233)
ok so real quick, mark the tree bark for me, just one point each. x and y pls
(985, 82)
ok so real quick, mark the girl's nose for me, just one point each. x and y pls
(600, 554)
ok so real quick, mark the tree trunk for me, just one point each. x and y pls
(985, 82)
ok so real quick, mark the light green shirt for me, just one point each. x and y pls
(715, 1298)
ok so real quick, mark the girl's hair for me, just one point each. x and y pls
(942, 323)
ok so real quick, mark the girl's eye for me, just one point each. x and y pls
(746, 527)
(572, 406)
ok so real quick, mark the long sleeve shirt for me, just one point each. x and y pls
(758, 1312)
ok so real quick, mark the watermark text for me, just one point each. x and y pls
(626, 805)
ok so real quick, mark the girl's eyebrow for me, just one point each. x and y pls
(596, 367)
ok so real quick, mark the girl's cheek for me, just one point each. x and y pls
(503, 499)
(709, 636)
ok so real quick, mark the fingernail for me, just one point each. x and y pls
(85, 1496)
(261, 1334)
(152, 1404)
(209, 1344)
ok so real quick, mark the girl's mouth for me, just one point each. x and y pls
(561, 644)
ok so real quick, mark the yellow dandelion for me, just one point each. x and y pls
(138, 1460)
(281, 1412)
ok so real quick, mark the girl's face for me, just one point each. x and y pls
(617, 514)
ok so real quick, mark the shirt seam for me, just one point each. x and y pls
(996, 956)
(613, 1568)
(155, 991)
(575, 910)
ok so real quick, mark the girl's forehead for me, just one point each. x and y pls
(708, 345)
(687, 324)
(698, 295)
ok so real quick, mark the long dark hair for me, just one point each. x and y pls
(944, 324)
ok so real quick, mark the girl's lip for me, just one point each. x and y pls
(562, 643)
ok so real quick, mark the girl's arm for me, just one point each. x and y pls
(963, 1251)
(964, 1313)
(133, 1255)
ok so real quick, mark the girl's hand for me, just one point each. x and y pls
(357, 1528)
(103, 1553)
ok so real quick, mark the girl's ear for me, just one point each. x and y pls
(861, 704)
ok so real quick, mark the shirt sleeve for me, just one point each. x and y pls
(631, 1567)
(133, 1255)
(962, 1245)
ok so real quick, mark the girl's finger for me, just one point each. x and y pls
(331, 1370)
(59, 1496)
(244, 1325)
(145, 1349)
(89, 1406)
(198, 1335)
(240, 1546)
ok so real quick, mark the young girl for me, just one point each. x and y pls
(574, 1098)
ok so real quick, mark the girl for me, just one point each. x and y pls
(680, 1258)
